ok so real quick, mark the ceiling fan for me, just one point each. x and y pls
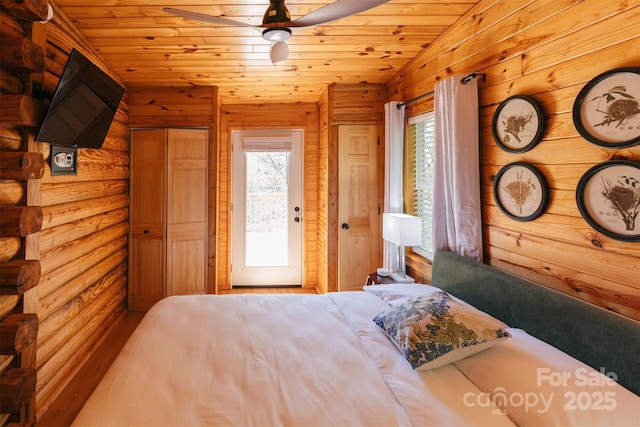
(277, 25)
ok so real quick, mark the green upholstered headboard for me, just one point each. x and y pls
(593, 335)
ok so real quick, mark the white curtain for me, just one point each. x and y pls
(393, 197)
(457, 222)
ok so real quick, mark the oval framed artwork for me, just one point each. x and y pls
(518, 124)
(521, 191)
(608, 198)
(606, 112)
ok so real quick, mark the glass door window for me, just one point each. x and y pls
(267, 211)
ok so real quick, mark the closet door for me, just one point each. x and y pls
(168, 214)
(147, 217)
(187, 211)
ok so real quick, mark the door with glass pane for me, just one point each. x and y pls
(266, 208)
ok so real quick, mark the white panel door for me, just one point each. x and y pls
(358, 205)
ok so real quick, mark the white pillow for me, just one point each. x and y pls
(398, 292)
(534, 383)
(433, 330)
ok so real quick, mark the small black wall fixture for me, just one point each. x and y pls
(64, 160)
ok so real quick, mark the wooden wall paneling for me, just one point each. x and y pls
(167, 107)
(68, 232)
(83, 238)
(346, 104)
(51, 302)
(75, 191)
(269, 116)
(89, 171)
(213, 196)
(333, 229)
(67, 254)
(56, 276)
(173, 107)
(417, 268)
(63, 34)
(323, 193)
(64, 213)
(69, 360)
(64, 324)
(548, 50)
(489, 34)
(597, 290)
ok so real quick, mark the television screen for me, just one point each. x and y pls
(83, 105)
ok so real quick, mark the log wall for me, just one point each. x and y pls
(82, 243)
(273, 116)
(548, 49)
(21, 172)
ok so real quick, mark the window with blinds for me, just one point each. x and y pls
(421, 142)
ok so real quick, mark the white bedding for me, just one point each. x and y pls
(320, 360)
(277, 360)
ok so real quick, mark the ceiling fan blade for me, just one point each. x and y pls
(336, 10)
(207, 18)
(279, 51)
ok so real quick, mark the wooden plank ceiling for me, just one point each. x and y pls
(149, 47)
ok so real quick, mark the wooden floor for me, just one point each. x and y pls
(66, 407)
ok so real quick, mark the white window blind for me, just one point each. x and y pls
(422, 142)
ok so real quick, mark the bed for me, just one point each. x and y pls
(459, 353)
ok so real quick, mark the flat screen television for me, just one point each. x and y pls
(83, 105)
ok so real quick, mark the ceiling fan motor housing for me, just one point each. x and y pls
(276, 13)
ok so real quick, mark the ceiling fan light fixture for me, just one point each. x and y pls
(276, 34)
(279, 51)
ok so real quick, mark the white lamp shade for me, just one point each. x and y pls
(402, 229)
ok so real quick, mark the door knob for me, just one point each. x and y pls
(345, 226)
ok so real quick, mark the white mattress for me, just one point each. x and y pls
(276, 360)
